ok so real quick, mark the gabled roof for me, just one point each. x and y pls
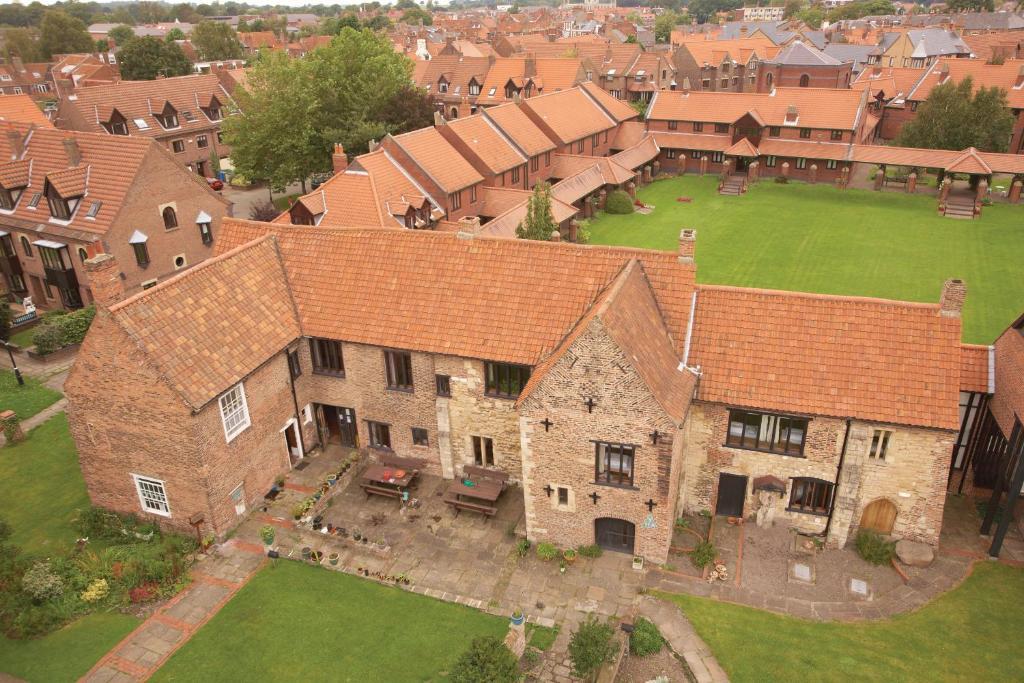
(799, 53)
(816, 107)
(22, 109)
(575, 187)
(438, 159)
(974, 362)
(570, 114)
(213, 324)
(569, 165)
(69, 182)
(520, 128)
(740, 50)
(457, 70)
(644, 151)
(1003, 75)
(870, 359)
(487, 142)
(617, 109)
(969, 162)
(741, 148)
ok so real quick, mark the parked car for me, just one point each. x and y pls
(215, 184)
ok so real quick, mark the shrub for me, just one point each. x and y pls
(781, 179)
(618, 202)
(42, 583)
(590, 551)
(874, 548)
(487, 659)
(46, 338)
(74, 325)
(645, 639)
(96, 591)
(523, 546)
(590, 646)
(703, 554)
(547, 551)
(264, 212)
(267, 533)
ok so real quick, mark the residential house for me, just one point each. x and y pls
(522, 77)
(454, 82)
(70, 72)
(17, 78)
(22, 109)
(722, 65)
(801, 65)
(580, 120)
(918, 48)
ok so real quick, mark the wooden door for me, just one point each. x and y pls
(615, 534)
(879, 516)
(732, 492)
(347, 425)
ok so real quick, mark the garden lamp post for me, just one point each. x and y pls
(14, 363)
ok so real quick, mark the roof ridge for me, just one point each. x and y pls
(817, 295)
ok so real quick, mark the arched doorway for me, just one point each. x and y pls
(615, 534)
(880, 516)
(455, 113)
(805, 81)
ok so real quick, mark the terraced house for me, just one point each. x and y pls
(615, 390)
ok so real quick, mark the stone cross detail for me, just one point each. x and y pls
(655, 435)
(590, 405)
(547, 425)
(650, 504)
(548, 490)
(594, 497)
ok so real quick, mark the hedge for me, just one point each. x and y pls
(618, 202)
(58, 331)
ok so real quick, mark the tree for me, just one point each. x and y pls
(408, 109)
(590, 646)
(175, 34)
(953, 118)
(970, 5)
(417, 15)
(145, 58)
(539, 222)
(792, 8)
(378, 22)
(23, 43)
(60, 33)
(216, 40)
(5, 326)
(487, 659)
(664, 25)
(121, 34)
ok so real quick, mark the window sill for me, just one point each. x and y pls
(329, 373)
(765, 450)
(382, 449)
(400, 390)
(624, 487)
(504, 397)
(813, 513)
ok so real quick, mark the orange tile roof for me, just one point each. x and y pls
(892, 81)
(974, 360)
(869, 359)
(699, 141)
(816, 107)
(518, 126)
(22, 109)
(741, 148)
(1008, 400)
(487, 142)
(644, 151)
(575, 187)
(438, 159)
(568, 165)
(807, 149)
(617, 109)
(508, 208)
(457, 70)
(436, 292)
(985, 46)
(629, 134)
(212, 325)
(571, 114)
(938, 158)
(1006, 76)
(739, 50)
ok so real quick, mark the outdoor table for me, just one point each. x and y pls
(384, 474)
(482, 489)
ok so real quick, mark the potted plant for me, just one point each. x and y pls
(316, 556)
(561, 566)
(638, 563)
(357, 535)
(569, 555)
(267, 534)
(306, 552)
(333, 559)
(279, 481)
(517, 618)
(332, 479)
(297, 510)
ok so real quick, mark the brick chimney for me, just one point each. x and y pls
(104, 280)
(16, 142)
(792, 114)
(952, 300)
(555, 236)
(72, 150)
(687, 245)
(339, 159)
(438, 119)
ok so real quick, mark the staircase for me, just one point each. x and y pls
(733, 185)
(959, 208)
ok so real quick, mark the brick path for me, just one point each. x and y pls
(683, 639)
(215, 580)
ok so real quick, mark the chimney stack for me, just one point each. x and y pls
(17, 144)
(104, 280)
(438, 119)
(954, 292)
(73, 152)
(555, 236)
(687, 245)
(339, 159)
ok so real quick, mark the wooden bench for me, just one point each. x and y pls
(392, 460)
(473, 471)
(374, 490)
(460, 505)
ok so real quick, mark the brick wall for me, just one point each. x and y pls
(789, 76)
(624, 412)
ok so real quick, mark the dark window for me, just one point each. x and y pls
(718, 157)
(327, 357)
(801, 163)
(170, 218)
(178, 146)
(141, 254)
(398, 369)
(579, 147)
(294, 366)
(472, 194)
(805, 81)
(220, 137)
(59, 207)
(670, 154)
(380, 434)
(547, 158)
(774, 131)
(831, 164)
(721, 127)
(811, 495)
(26, 246)
(206, 233)
(837, 135)
(613, 463)
(594, 141)
(766, 432)
(168, 118)
(695, 154)
(534, 163)
(202, 142)
(455, 200)
(8, 199)
(879, 444)
(34, 202)
(770, 162)
(698, 126)
(563, 495)
(444, 385)
(483, 450)
(213, 113)
(515, 174)
(673, 125)
(505, 380)
(419, 437)
(82, 254)
(805, 132)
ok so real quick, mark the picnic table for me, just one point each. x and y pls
(388, 481)
(473, 495)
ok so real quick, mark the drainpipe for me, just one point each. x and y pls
(295, 402)
(839, 469)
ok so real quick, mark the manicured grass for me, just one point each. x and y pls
(297, 622)
(283, 202)
(541, 637)
(65, 654)
(41, 488)
(969, 634)
(25, 400)
(23, 338)
(816, 238)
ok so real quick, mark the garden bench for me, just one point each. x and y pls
(476, 472)
(372, 490)
(460, 505)
(392, 460)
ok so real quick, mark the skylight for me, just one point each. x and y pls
(94, 209)
(141, 123)
(189, 116)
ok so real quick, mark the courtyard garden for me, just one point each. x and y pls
(966, 634)
(26, 400)
(816, 238)
(293, 621)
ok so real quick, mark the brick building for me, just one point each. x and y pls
(722, 65)
(182, 113)
(65, 196)
(801, 65)
(631, 396)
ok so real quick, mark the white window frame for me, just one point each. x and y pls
(138, 480)
(243, 409)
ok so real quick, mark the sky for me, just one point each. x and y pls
(288, 3)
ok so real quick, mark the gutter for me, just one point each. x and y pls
(839, 469)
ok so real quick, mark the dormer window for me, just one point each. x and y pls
(9, 198)
(474, 87)
(168, 118)
(442, 85)
(61, 208)
(117, 125)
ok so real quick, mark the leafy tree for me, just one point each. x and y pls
(5, 330)
(264, 212)
(406, 4)
(216, 40)
(704, 10)
(812, 16)
(664, 25)
(102, 45)
(408, 109)
(331, 26)
(417, 15)
(145, 58)
(590, 646)
(640, 107)
(60, 33)
(953, 118)
(792, 8)
(632, 39)
(175, 34)
(23, 43)
(378, 22)
(487, 659)
(970, 5)
(539, 222)
(121, 34)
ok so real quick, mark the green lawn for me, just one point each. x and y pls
(23, 338)
(970, 634)
(41, 488)
(819, 239)
(297, 622)
(26, 400)
(68, 653)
